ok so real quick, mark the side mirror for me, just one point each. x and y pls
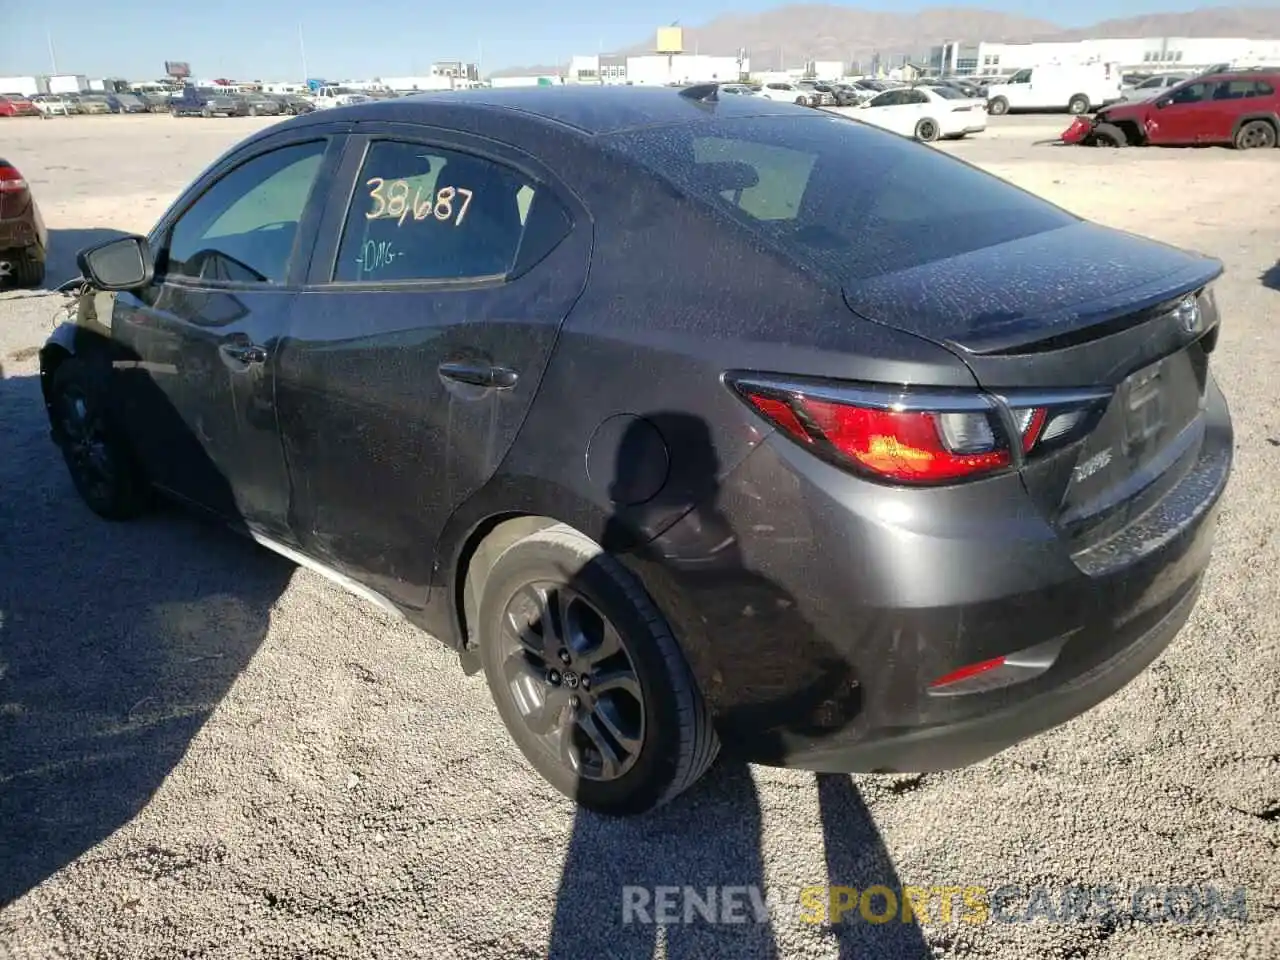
(121, 264)
(1163, 102)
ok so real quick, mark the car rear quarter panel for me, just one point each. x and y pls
(676, 296)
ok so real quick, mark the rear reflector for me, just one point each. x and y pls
(964, 673)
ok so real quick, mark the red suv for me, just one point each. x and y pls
(1240, 108)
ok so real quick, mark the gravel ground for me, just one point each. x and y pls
(205, 751)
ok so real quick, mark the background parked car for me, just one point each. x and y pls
(23, 238)
(15, 105)
(1152, 86)
(51, 105)
(292, 103)
(1233, 107)
(737, 89)
(926, 113)
(127, 103)
(95, 103)
(259, 104)
(207, 102)
(787, 92)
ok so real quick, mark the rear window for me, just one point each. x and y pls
(851, 199)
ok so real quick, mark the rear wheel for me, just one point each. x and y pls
(999, 106)
(1109, 135)
(588, 678)
(1254, 135)
(102, 467)
(927, 130)
(1078, 104)
(28, 270)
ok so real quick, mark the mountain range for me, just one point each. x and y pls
(799, 32)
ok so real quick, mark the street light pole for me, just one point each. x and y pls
(302, 49)
(53, 57)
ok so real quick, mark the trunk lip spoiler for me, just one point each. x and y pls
(1142, 302)
(1072, 325)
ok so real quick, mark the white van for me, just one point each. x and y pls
(1076, 88)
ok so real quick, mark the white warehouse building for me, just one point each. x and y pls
(1148, 54)
(654, 69)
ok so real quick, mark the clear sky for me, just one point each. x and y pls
(351, 39)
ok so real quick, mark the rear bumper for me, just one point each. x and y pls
(816, 608)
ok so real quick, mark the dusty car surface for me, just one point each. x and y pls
(696, 423)
(23, 237)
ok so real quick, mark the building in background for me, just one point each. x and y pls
(1146, 54)
(457, 69)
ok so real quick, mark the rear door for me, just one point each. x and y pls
(444, 268)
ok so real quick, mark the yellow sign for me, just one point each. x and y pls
(670, 40)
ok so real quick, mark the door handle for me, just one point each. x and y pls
(244, 352)
(479, 374)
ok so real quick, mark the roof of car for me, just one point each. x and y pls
(590, 109)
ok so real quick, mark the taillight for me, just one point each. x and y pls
(11, 180)
(916, 437)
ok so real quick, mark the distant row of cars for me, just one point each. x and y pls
(191, 101)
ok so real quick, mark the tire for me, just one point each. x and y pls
(669, 741)
(28, 271)
(1109, 135)
(1078, 104)
(206, 112)
(103, 468)
(253, 111)
(1255, 135)
(927, 130)
(802, 102)
(998, 107)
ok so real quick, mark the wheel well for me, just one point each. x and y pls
(1265, 118)
(1079, 96)
(479, 554)
(1132, 132)
(52, 357)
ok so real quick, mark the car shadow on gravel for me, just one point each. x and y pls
(705, 847)
(117, 642)
(60, 258)
(1271, 278)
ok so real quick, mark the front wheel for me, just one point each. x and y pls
(1078, 104)
(102, 467)
(998, 107)
(588, 677)
(927, 130)
(1109, 135)
(1257, 134)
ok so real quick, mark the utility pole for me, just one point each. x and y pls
(53, 57)
(302, 49)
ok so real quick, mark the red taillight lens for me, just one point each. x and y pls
(911, 446)
(11, 180)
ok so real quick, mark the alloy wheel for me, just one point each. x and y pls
(1257, 136)
(568, 673)
(85, 445)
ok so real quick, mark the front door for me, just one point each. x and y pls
(1185, 116)
(439, 284)
(198, 349)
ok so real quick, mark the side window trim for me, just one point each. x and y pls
(345, 187)
(299, 257)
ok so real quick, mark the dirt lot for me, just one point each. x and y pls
(207, 752)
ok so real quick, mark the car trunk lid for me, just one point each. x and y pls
(1081, 310)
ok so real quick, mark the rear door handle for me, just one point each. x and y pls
(479, 374)
(244, 352)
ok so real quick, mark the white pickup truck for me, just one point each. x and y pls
(334, 96)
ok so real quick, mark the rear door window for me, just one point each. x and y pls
(423, 212)
(842, 195)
